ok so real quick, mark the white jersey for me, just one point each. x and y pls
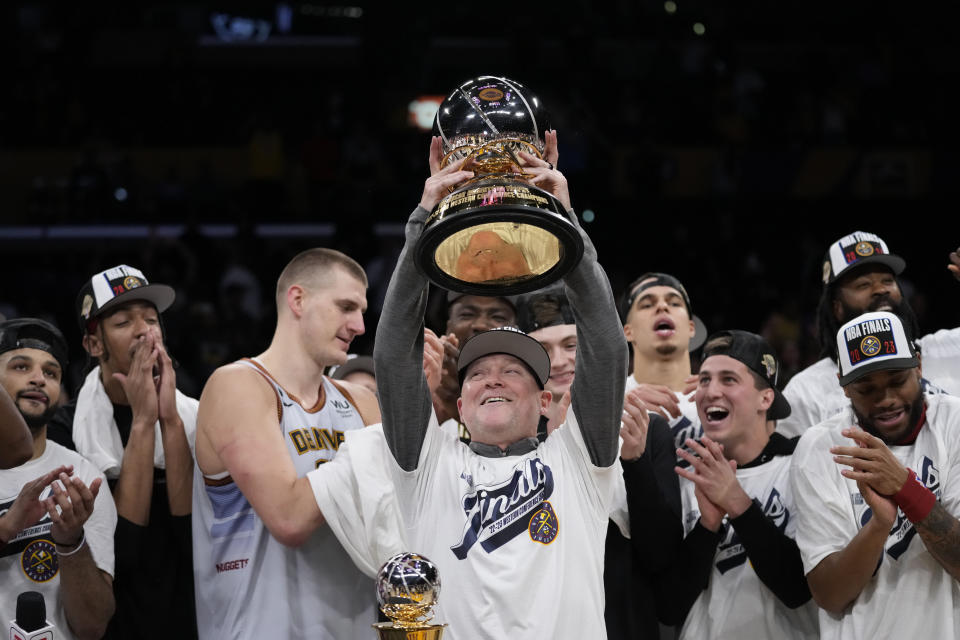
(687, 425)
(518, 541)
(29, 562)
(736, 604)
(248, 585)
(910, 595)
(815, 394)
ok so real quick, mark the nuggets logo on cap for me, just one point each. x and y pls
(132, 282)
(544, 525)
(870, 346)
(864, 249)
(39, 561)
(869, 339)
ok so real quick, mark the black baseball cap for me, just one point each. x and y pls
(857, 249)
(758, 356)
(115, 286)
(543, 308)
(657, 279)
(511, 341)
(453, 296)
(34, 333)
(874, 341)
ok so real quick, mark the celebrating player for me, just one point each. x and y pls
(739, 565)
(868, 481)
(263, 569)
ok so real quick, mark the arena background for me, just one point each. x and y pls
(726, 143)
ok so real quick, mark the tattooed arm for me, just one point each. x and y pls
(940, 532)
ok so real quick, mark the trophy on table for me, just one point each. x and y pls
(497, 234)
(407, 588)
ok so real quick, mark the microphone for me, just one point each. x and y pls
(31, 622)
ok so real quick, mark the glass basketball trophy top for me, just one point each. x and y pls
(407, 588)
(497, 234)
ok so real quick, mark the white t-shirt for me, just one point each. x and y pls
(687, 425)
(911, 595)
(815, 394)
(518, 541)
(736, 603)
(29, 562)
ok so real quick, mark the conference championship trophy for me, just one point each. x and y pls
(497, 234)
(407, 588)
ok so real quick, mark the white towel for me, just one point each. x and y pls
(96, 435)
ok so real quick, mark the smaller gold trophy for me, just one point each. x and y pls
(407, 588)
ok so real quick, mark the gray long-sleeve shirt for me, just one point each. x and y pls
(597, 390)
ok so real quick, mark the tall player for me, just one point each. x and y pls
(264, 567)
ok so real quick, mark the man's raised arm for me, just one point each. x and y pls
(398, 352)
(601, 364)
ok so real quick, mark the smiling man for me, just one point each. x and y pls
(868, 481)
(263, 423)
(56, 531)
(739, 566)
(515, 526)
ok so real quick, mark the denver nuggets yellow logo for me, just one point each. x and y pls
(132, 282)
(490, 94)
(39, 561)
(864, 249)
(544, 525)
(870, 346)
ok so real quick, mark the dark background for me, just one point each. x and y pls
(208, 143)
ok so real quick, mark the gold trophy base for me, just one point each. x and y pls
(386, 631)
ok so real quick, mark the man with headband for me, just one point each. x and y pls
(877, 489)
(56, 527)
(662, 331)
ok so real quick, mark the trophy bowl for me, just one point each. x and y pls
(407, 588)
(497, 234)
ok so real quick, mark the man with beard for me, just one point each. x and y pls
(868, 481)
(56, 531)
(859, 275)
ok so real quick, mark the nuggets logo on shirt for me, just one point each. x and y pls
(544, 525)
(39, 560)
(496, 514)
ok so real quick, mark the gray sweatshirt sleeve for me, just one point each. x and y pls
(601, 368)
(398, 354)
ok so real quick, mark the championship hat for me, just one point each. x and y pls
(872, 342)
(656, 279)
(116, 286)
(856, 249)
(508, 340)
(34, 333)
(758, 356)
